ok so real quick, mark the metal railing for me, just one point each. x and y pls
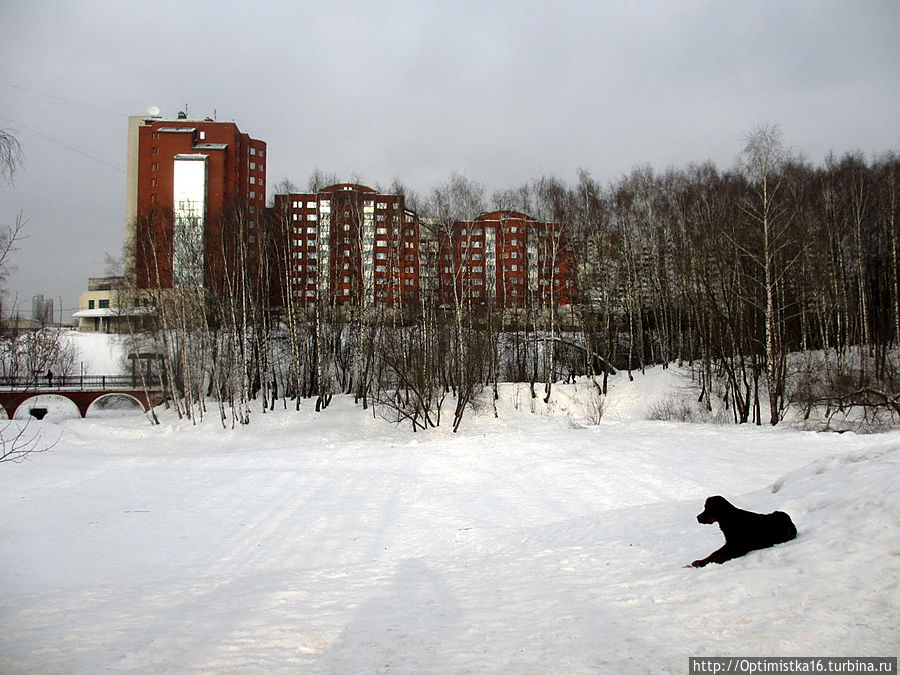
(80, 382)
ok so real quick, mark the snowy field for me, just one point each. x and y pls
(532, 543)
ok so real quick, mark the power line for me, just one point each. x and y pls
(59, 141)
(64, 99)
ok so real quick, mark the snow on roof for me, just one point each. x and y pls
(111, 311)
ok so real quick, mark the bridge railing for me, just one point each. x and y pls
(79, 382)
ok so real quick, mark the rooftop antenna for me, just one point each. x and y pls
(214, 113)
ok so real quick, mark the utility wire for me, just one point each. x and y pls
(59, 141)
(64, 99)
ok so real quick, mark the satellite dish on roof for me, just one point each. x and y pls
(153, 111)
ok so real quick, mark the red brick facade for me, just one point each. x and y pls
(505, 259)
(352, 245)
(222, 167)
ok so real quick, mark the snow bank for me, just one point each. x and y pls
(534, 542)
(98, 353)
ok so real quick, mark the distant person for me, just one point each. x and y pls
(49, 378)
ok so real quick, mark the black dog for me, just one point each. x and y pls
(744, 531)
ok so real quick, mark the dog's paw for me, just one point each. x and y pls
(700, 563)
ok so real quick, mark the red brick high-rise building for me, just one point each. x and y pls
(506, 259)
(350, 245)
(183, 177)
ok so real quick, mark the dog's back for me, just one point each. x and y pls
(751, 531)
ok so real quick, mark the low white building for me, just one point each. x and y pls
(101, 310)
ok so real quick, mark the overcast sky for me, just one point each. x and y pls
(502, 92)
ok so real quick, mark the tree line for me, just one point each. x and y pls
(734, 271)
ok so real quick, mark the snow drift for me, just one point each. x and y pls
(533, 542)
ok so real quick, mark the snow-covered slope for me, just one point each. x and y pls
(535, 542)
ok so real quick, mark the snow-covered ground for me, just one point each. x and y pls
(535, 542)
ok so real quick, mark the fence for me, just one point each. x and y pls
(80, 382)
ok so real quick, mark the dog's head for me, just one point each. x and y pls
(713, 510)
